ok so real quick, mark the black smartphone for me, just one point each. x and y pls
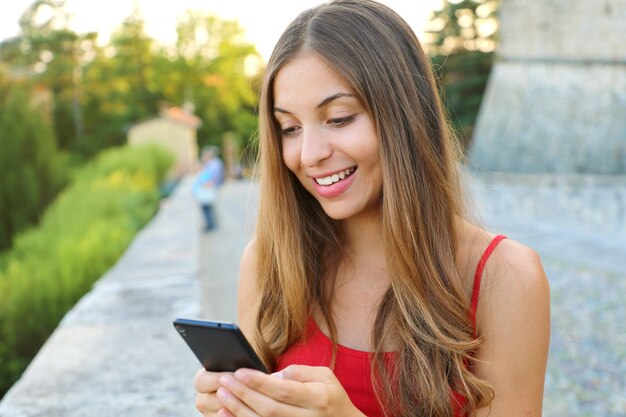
(219, 346)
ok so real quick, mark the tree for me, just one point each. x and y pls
(99, 91)
(119, 85)
(461, 39)
(31, 168)
(212, 59)
(130, 78)
(465, 25)
(133, 69)
(49, 53)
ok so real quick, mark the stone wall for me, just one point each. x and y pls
(556, 97)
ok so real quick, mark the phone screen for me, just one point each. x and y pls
(219, 346)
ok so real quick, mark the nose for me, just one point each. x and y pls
(316, 147)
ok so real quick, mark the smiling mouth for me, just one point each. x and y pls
(335, 178)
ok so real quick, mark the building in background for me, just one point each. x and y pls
(175, 129)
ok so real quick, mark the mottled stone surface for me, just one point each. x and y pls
(563, 29)
(552, 117)
(556, 97)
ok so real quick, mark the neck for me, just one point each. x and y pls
(363, 237)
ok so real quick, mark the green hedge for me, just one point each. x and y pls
(33, 171)
(82, 234)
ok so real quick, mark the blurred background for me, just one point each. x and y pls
(105, 106)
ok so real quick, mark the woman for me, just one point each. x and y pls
(362, 288)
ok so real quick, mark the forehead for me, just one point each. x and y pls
(307, 77)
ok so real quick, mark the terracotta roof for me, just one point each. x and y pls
(178, 115)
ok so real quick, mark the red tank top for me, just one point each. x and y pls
(352, 367)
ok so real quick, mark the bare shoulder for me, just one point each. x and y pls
(513, 318)
(514, 269)
(513, 282)
(247, 294)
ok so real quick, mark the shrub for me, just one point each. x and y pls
(82, 234)
(32, 169)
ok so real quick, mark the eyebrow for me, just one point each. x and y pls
(321, 104)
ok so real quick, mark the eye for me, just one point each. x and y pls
(341, 121)
(289, 131)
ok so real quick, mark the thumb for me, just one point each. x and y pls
(305, 373)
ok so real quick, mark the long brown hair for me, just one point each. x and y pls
(425, 310)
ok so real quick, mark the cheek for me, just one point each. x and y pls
(291, 155)
(368, 151)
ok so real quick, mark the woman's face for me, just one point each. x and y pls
(328, 139)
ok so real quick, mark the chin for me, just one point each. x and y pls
(337, 216)
(336, 212)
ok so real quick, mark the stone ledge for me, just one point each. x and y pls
(580, 219)
(116, 352)
(588, 204)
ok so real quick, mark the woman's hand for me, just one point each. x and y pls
(297, 390)
(206, 384)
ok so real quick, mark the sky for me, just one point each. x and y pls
(263, 20)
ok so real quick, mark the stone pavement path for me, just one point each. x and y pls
(587, 363)
(221, 249)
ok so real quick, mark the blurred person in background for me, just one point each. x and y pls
(206, 184)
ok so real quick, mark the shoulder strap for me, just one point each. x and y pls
(478, 277)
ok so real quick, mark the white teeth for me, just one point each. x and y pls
(331, 179)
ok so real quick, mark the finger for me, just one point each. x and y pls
(233, 405)
(207, 403)
(292, 393)
(299, 385)
(207, 382)
(304, 373)
(273, 386)
(225, 413)
(264, 404)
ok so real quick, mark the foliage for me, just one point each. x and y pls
(82, 234)
(100, 90)
(51, 55)
(211, 58)
(462, 82)
(463, 25)
(118, 86)
(461, 38)
(32, 169)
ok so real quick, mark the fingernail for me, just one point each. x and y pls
(226, 380)
(279, 375)
(242, 375)
(222, 394)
